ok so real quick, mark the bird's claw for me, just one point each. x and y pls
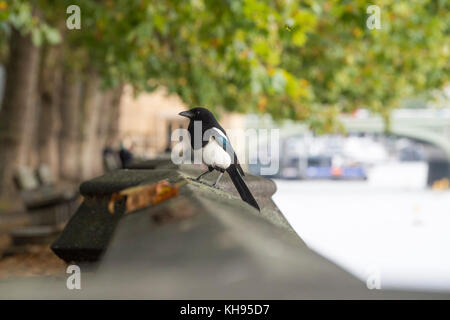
(199, 181)
(215, 185)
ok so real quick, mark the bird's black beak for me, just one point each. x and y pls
(187, 114)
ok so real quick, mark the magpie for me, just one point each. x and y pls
(217, 152)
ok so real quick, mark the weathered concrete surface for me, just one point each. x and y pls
(228, 252)
(205, 243)
(261, 188)
(88, 232)
(159, 163)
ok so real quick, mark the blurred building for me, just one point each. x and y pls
(147, 120)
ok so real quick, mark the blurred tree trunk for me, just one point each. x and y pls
(21, 80)
(107, 128)
(101, 139)
(91, 152)
(103, 121)
(114, 117)
(49, 112)
(70, 113)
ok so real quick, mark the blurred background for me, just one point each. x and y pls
(363, 112)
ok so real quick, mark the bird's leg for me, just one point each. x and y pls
(198, 178)
(217, 181)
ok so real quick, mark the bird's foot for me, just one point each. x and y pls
(215, 185)
(217, 181)
(199, 181)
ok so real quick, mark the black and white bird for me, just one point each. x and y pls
(217, 152)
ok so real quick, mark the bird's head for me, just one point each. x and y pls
(198, 114)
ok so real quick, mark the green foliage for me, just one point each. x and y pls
(307, 60)
(26, 18)
(216, 53)
(376, 68)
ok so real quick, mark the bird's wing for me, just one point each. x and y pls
(226, 145)
(223, 141)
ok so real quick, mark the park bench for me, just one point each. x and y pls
(48, 205)
(40, 193)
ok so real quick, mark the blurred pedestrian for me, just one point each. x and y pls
(126, 155)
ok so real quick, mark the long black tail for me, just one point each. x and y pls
(241, 187)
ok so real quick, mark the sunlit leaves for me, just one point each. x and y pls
(306, 60)
(21, 15)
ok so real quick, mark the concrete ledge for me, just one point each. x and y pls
(204, 243)
(87, 234)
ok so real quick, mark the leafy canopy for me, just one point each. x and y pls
(307, 60)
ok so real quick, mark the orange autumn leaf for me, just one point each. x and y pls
(140, 197)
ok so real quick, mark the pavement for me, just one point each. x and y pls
(393, 231)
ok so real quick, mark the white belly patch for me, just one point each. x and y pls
(214, 155)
